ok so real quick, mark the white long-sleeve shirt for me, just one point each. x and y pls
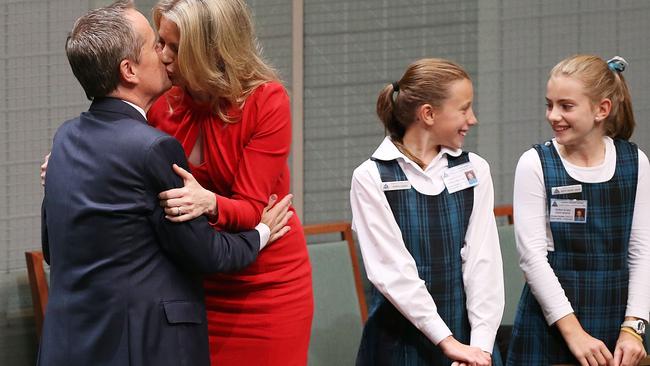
(534, 238)
(391, 268)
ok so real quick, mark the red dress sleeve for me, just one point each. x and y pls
(262, 169)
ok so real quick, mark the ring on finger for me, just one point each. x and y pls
(178, 211)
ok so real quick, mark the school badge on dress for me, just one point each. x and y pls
(460, 177)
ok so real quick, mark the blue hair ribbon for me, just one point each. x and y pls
(617, 64)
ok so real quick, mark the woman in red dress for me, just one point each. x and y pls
(232, 116)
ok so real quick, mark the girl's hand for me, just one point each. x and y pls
(190, 201)
(463, 354)
(588, 350)
(629, 350)
(44, 168)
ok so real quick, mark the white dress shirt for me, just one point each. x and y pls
(534, 238)
(391, 268)
(262, 229)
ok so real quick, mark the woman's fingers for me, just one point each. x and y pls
(172, 193)
(182, 173)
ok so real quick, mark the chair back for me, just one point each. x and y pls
(513, 276)
(505, 211)
(38, 286)
(340, 308)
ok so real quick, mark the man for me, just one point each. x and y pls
(125, 284)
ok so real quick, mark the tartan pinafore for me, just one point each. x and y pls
(433, 229)
(590, 261)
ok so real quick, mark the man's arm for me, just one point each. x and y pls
(193, 244)
(45, 244)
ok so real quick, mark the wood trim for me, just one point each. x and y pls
(297, 106)
(345, 229)
(38, 286)
(505, 210)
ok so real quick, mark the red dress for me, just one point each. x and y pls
(261, 315)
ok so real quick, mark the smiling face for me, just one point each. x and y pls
(453, 119)
(574, 118)
(169, 38)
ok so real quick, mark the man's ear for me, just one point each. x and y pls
(603, 108)
(128, 71)
(426, 113)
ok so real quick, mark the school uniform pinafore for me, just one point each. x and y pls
(433, 229)
(589, 259)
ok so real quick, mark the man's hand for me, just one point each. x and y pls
(276, 216)
(44, 168)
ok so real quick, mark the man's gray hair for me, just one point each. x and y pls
(98, 43)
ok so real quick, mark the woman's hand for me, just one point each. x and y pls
(464, 355)
(588, 350)
(44, 168)
(629, 350)
(190, 201)
(276, 216)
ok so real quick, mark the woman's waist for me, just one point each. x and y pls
(284, 258)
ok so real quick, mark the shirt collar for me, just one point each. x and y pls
(388, 151)
(137, 108)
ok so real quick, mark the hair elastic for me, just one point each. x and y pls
(393, 97)
(617, 64)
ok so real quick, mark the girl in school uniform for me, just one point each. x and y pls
(580, 201)
(427, 231)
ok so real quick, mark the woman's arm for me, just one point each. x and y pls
(482, 264)
(262, 164)
(263, 161)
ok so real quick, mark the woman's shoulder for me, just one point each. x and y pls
(269, 89)
(268, 96)
(170, 101)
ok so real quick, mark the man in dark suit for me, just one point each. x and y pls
(125, 282)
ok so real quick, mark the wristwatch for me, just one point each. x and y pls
(638, 326)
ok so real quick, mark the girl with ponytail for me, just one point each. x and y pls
(587, 296)
(426, 231)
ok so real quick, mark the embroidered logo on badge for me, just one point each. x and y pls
(396, 186)
(576, 188)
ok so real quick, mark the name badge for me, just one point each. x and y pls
(395, 186)
(573, 211)
(576, 188)
(460, 177)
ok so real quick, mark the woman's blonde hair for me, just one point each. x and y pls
(603, 80)
(218, 53)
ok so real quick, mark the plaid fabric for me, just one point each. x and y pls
(433, 229)
(590, 261)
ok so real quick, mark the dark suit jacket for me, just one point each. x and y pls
(125, 284)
